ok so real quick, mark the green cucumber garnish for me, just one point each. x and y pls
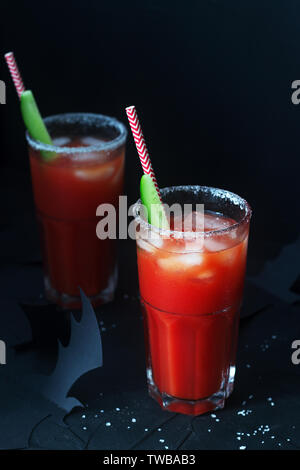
(35, 124)
(151, 201)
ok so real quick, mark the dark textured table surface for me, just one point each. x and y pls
(262, 413)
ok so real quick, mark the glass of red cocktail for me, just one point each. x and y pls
(87, 170)
(191, 287)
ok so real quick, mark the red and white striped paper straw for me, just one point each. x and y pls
(15, 74)
(141, 145)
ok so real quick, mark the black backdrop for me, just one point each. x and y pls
(211, 81)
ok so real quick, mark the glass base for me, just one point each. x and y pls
(189, 407)
(66, 301)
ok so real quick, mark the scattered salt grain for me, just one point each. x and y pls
(108, 424)
(161, 440)
(133, 420)
(244, 412)
(242, 447)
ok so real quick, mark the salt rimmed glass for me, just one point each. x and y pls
(86, 171)
(191, 286)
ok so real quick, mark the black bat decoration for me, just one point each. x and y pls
(82, 354)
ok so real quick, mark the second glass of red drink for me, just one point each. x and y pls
(87, 169)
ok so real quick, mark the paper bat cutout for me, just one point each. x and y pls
(82, 354)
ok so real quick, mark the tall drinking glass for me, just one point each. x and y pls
(191, 286)
(87, 170)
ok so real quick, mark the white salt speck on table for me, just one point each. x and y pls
(128, 427)
(117, 409)
(248, 366)
(159, 429)
(166, 447)
(250, 397)
(108, 424)
(213, 415)
(83, 416)
(84, 428)
(161, 440)
(242, 447)
(133, 420)
(209, 430)
(146, 429)
(217, 420)
(244, 412)
(95, 416)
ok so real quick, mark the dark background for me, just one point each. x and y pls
(211, 81)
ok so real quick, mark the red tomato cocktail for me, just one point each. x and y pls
(191, 292)
(87, 170)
